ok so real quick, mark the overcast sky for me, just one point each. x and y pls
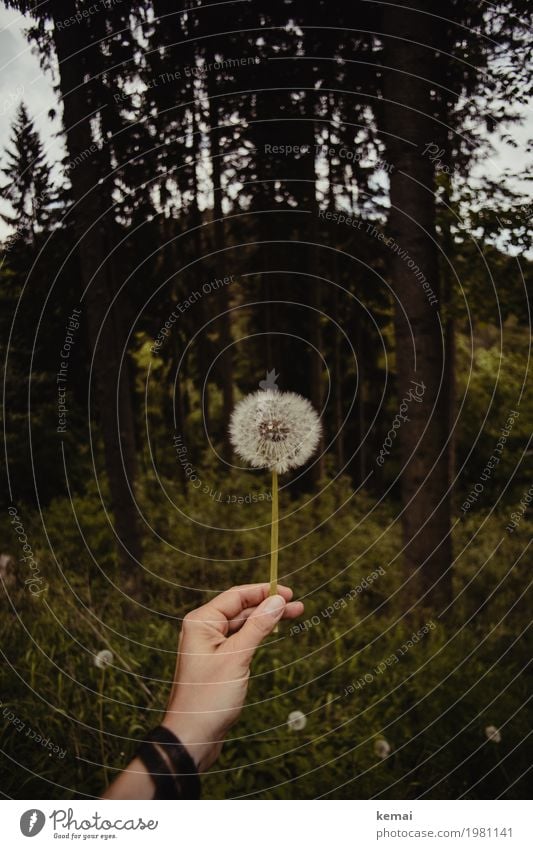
(22, 78)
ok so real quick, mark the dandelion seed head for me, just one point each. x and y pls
(103, 658)
(275, 430)
(382, 748)
(296, 720)
(492, 733)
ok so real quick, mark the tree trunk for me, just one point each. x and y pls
(201, 342)
(448, 309)
(359, 338)
(226, 359)
(313, 287)
(337, 360)
(337, 377)
(407, 107)
(105, 335)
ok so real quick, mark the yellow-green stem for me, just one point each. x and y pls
(274, 539)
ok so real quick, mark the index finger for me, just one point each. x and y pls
(234, 601)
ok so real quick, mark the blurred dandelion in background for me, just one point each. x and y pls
(103, 658)
(382, 748)
(296, 720)
(492, 733)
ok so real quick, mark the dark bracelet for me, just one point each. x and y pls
(179, 782)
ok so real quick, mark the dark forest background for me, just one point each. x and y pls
(302, 186)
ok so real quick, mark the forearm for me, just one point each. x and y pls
(133, 783)
(216, 647)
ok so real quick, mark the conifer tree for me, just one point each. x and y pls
(28, 187)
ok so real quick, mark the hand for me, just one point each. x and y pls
(215, 649)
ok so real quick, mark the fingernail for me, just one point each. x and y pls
(274, 605)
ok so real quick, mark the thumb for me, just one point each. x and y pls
(259, 624)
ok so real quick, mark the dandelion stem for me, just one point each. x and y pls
(274, 536)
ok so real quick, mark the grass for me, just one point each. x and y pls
(356, 672)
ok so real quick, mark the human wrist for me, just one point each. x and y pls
(191, 737)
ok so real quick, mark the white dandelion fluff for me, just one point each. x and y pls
(492, 733)
(382, 748)
(103, 658)
(275, 430)
(296, 720)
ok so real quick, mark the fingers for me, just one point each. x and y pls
(259, 624)
(230, 605)
(239, 620)
(292, 610)
(234, 601)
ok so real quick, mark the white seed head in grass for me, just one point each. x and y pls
(296, 720)
(493, 734)
(275, 430)
(382, 748)
(103, 658)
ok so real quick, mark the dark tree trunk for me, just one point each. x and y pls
(201, 342)
(266, 295)
(223, 300)
(337, 377)
(106, 335)
(448, 306)
(313, 286)
(338, 382)
(406, 118)
(337, 299)
(451, 396)
(359, 338)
